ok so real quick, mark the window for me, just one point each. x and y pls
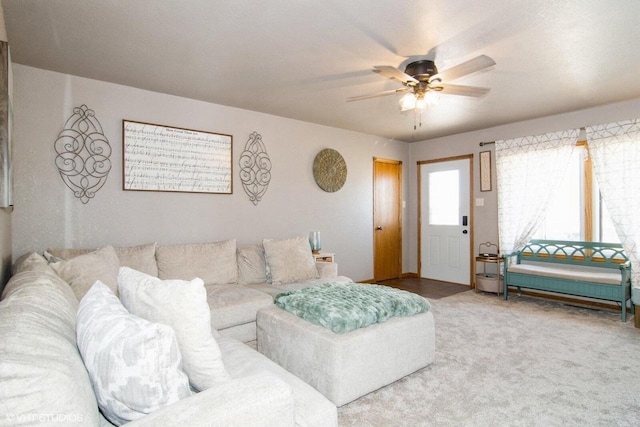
(444, 202)
(577, 211)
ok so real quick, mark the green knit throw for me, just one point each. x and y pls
(344, 307)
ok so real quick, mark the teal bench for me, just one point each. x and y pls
(587, 269)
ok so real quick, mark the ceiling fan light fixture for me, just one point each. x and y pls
(408, 101)
(431, 98)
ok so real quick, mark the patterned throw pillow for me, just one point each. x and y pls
(134, 365)
(183, 306)
(82, 271)
(290, 260)
(252, 266)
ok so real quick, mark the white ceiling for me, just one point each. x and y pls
(302, 59)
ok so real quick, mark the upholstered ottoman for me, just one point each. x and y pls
(344, 367)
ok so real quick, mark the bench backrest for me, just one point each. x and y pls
(595, 254)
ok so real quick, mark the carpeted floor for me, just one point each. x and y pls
(522, 362)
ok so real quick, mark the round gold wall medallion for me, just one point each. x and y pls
(329, 170)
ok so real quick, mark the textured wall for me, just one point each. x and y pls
(48, 215)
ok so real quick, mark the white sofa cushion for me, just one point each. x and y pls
(134, 365)
(290, 260)
(183, 306)
(312, 409)
(82, 271)
(214, 263)
(233, 305)
(570, 272)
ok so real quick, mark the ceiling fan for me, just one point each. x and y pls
(423, 82)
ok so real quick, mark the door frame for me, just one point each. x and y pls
(400, 212)
(468, 157)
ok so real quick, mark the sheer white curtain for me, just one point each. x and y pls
(615, 153)
(529, 171)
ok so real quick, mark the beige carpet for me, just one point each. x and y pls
(522, 362)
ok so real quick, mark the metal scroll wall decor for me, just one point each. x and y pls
(255, 168)
(83, 154)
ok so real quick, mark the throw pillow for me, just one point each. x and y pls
(183, 306)
(215, 263)
(82, 271)
(55, 255)
(252, 267)
(141, 257)
(290, 260)
(134, 365)
(31, 262)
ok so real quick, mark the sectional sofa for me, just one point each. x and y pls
(44, 381)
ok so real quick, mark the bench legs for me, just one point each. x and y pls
(636, 319)
(623, 303)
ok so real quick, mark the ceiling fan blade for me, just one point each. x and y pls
(471, 66)
(464, 90)
(375, 95)
(394, 73)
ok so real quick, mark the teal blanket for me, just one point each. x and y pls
(343, 307)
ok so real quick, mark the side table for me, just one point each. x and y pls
(488, 282)
(324, 257)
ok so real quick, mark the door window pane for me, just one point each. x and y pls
(444, 202)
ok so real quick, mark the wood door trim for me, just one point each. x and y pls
(399, 201)
(471, 219)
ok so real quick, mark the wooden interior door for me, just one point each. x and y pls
(387, 219)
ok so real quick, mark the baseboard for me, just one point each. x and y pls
(402, 276)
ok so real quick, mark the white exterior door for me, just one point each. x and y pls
(445, 230)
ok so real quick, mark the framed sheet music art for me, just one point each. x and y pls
(165, 158)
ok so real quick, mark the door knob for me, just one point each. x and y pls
(464, 231)
(379, 227)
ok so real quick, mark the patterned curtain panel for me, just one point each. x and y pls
(615, 152)
(529, 171)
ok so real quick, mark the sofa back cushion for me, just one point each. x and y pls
(214, 263)
(42, 377)
(141, 258)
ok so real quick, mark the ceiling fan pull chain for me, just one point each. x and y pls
(417, 123)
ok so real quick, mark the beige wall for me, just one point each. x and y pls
(5, 215)
(48, 215)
